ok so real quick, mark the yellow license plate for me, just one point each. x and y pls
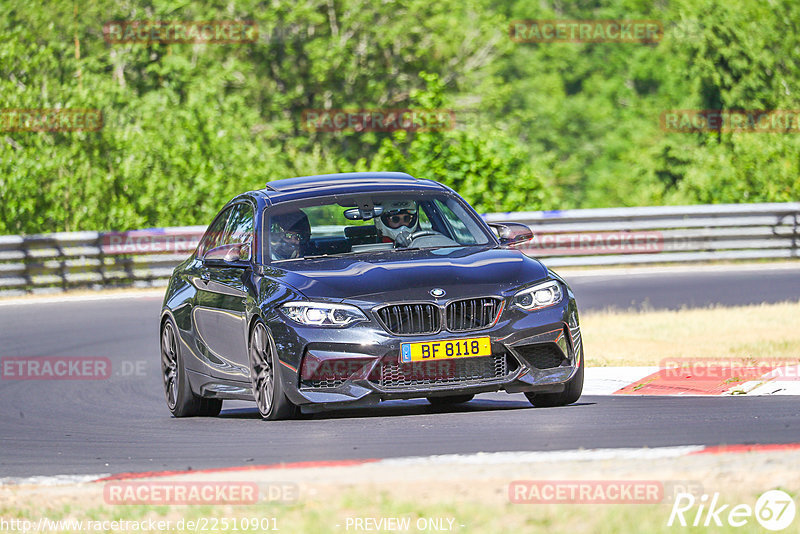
(441, 350)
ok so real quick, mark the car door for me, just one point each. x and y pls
(220, 309)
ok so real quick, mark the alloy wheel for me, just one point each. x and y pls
(169, 364)
(263, 374)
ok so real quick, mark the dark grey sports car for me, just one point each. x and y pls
(348, 289)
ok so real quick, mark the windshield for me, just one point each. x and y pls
(333, 226)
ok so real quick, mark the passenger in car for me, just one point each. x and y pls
(289, 235)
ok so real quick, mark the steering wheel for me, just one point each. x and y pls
(422, 233)
(404, 240)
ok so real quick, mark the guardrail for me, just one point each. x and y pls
(664, 234)
(65, 260)
(612, 236)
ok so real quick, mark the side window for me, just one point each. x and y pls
(424, 221)
(240, 225)
(213, 235)
(458, 220)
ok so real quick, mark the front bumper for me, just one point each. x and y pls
(360, 366)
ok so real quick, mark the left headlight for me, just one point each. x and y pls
(322, 314)
(539, 296)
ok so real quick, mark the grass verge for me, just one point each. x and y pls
(357, 510)
(757, 333)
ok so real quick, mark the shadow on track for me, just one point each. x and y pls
(400, 408)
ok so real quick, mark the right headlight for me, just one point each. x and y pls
(323, 314)
(539, 296)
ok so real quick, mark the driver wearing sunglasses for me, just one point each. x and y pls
(398, 216)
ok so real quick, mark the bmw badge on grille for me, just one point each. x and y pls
(437, 292)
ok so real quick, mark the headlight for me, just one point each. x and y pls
(322, 314)
(539, 296)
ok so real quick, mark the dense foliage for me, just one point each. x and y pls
(556, 125)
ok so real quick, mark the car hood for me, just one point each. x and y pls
(411, 274)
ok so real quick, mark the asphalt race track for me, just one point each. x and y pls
(686, 287)
(122, 424)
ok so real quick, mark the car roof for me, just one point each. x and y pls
(345, 183)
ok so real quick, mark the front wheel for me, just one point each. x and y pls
(181, 401)
(265, 377)
(572, 391)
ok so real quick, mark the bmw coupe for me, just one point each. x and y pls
(348, 289)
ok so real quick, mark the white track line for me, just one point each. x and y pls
(494, 458)
(56, 480)
(608, 380)
(613, 272)
(66, 297)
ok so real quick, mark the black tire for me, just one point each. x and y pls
(572, 391)
(265, 377)
(452, 399)
(181, 401)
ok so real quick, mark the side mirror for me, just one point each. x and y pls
(512, 233)
(235, 254)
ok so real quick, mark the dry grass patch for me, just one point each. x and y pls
(762, 332)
